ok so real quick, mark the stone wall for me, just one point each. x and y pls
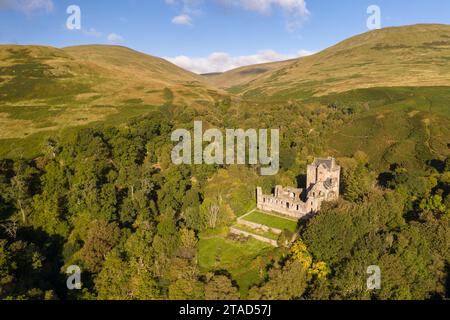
(255, 236)
(257, 226)
(293, 207)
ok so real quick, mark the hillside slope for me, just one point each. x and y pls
(47, 89)
(44, 89)
(142, 75)
(236, 77)
(416, 55)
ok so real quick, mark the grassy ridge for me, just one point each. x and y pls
(46, 91)
(392, 57)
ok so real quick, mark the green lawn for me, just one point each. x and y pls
(272, 221)
(244, 261)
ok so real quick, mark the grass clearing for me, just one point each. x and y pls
(268, 235)
(244, 261)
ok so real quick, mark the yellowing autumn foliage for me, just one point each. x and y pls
(320, 270)
(299, 252)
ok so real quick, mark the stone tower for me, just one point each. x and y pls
(323, 179)
(323, 182)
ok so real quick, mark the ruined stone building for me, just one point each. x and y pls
(323, 182)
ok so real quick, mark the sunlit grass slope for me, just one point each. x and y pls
(416, 55)
(46, 89)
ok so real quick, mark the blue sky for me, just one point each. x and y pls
(209, 35)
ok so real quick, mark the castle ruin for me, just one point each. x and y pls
(323, 183)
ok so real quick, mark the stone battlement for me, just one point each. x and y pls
(323, 183)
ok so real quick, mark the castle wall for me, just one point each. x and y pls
(311, 176)
(294, 209)
(257, 237)
(286, 201)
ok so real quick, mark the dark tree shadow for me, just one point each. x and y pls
(301, 181)
(226, 273)
(384, 179)
(437, 164)
(51, 246)
(447, 281)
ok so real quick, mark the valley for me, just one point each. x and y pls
(86, 175)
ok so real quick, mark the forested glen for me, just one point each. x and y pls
(108, 199)
(87, 179)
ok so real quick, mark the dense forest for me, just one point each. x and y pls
(108, 199)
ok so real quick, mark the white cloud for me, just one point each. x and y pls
(188, 6)
(188, 9)
(220, 61)
(114, 38)
(182, 19)
(295, 11)
(293, 7)
(27, 6)
(92, 32)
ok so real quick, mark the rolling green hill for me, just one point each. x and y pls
(391, 76)
(416, 55)
(86, 176)
(47, 89)
(140, 76)
(404, 125)
(233, 79)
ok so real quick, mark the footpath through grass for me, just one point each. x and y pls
(268, 235)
